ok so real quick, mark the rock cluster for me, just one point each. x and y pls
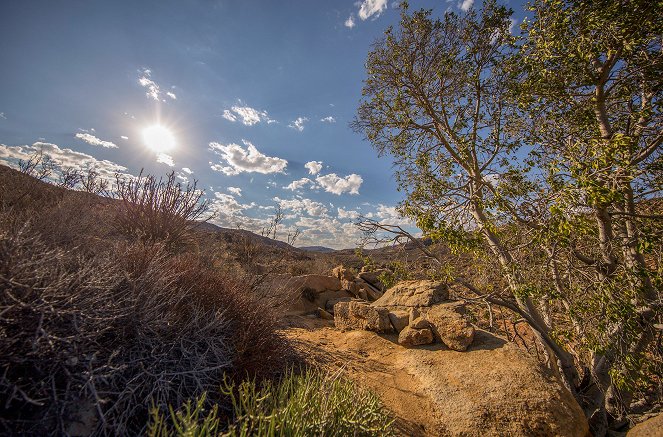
(366, 285)
(420, 312)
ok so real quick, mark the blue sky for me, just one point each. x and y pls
(255, 96)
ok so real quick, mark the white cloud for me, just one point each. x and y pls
(310, 207)
(465, 5)
(187, 170)
(94, 141)
(347, 214)
(227, 210)
(165, 159)
(329, 119)
(153, 90)
(313, 167)
(298, 184)
(370, 8)
(339, 185)
(151, 86)
(124, 137)
(229, 115)
(350, 22)
(249, 116)
(247, 160)
(298, 124)
(512, 24)
(390, 215)
(64, 158)
(235, 190)
(3, 116)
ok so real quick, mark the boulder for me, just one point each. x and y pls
(649, 428)
(317, 283)
(372, 278)
(350, 286)
(415, 337)
(329, 304)
(419, 323)
(408, 294)
(450, 326)
(415, 313)
(372, 292)
(342, 273)
(324, 314)
(399, 319)
(362, 316)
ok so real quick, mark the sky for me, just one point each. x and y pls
(252, 99)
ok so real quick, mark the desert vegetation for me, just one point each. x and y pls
(110, 312)
(540, 154)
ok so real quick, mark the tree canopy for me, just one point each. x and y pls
(544, 150)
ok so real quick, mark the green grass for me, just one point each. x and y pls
(308, 404)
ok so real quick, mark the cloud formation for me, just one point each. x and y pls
(63, 158)
(350, 22)
(247, 115)
(298, 123)
(332, 183)
(308, 206)
(347, 214)
(298, 184)
(328, 119)
(313, 167)
(465, 5)
(164, 158)
(94, 141)
(235, 190)
(247, 159)
(153, 90)
(371, 8)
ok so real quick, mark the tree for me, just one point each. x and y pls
(592, 90)
(467, 110)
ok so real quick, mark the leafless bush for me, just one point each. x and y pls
(158, 210)
(38, 165)
(91, 182)
(88, 343)
(69, 177)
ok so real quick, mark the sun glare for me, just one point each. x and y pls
(158, 138)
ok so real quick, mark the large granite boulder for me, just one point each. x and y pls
(449, 325)
(409, 294)
(652, 427)
(362, 316)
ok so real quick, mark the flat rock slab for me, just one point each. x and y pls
(492, 389)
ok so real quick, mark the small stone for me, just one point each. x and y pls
(415, 337)
(419, 323)
(399, 319)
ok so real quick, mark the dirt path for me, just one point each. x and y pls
(375, 362)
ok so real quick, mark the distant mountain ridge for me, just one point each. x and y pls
(244, 233)
(321, 249)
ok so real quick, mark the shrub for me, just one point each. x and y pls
(88, 340)
(158, 210)
(311, 403)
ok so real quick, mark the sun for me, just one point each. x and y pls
(158, 138)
